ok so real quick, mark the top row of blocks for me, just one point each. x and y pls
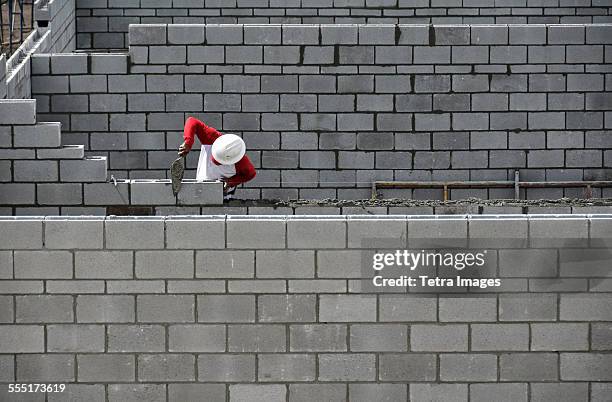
(368, 34)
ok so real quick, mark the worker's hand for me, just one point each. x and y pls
(184, 149)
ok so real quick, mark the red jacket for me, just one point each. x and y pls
(207, 135)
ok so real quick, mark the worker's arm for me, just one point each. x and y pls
(207, 135)
(245, 171)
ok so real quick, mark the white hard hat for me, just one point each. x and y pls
(228, 149)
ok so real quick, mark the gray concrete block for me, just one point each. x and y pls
(166, 367)
(106, 368)
(47, 309)
(166, 308)
(286, 367)
(192, 233)
(378, 338)
(585, 367)
(99, 309)
(136, 392)
(22, 339)
(224, 34)
(285, 264)
(147, 34)
(103, 264)
(491, 337)
(312, 233)
(42, 264)
(318, 338)
(501, 391)
(528, 307)
(226, 367)
(18, 111)
(122, 233)
(82, 233)
(559, 391)
(286, 308)
(343, 308)
(347, 367)
(528, 367)
(224, 264)
(468, 367)
(407, 367)
(90, 169)
(55, 367)
(555, 337)
(136, 338)
(256, 338)
(592, 307)
(186, 34)
(246, 392)
(75, 338)
(300, 34)
(227, 308)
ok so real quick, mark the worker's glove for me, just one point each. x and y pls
(184, 149)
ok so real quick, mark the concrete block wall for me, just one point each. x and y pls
(35, 169)
(58, 17)
(171, 309)
(104, 23)
(326, 109)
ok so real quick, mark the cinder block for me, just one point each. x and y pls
(147, 34)
(468, 367)
(340, 264)
(339, 34)
(193, 391)
(347, 367)
(107, 193)
(598, 33)
(136, 392)
(226, 308)
(136, 233)
(111, 309)
(22, 339)
(492, 337)
(559, 337)
(41, 135)
(414, 34)
(136, 338)
(106, 368)
(439, 338)
(224, 34)
(376, 34)
(43, 264)
(246, 392)
(558, 232)
(196, 338)
(527, 34)
(415, 367)
(559, 392)
(467, 309)
(343, 308)
(195, 233)
(600, 336)
(286, 367)
(17, 111)
(585, 367)
(69, 63)
(489, 34)
(50, 367)
(166, 367)
(313, 233)
(585, 307)
(318, 338)
(319, 391)
(166, 308)
(103, 264)
(503, 391)
(75, 338)
(300, 34)
(528, 307)
(186, 34)
(23, 233)
(285, 263)
(268, 34)
(378, 338)
(46, 309)
(529, 367)
(71, 234)
(226, 367)
(90, 169)
(256, 338)
(164, 264)
(224, 264)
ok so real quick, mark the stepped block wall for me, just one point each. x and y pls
(154, 309)
(104, 23)
(326, 109)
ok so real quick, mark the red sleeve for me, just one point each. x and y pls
(245, 171)
(207, 135)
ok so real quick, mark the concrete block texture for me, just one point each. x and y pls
(165, 308)
(335, 68)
